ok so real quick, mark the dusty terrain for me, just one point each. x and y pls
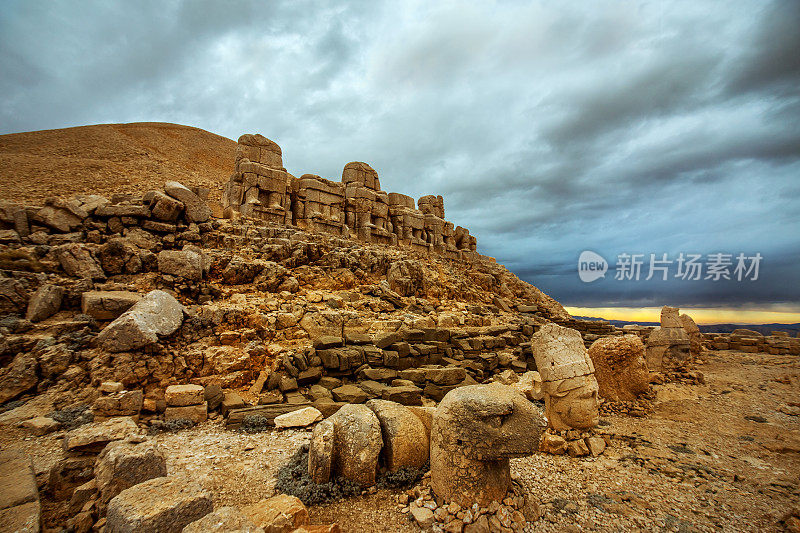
(702, 461)
(111, 158)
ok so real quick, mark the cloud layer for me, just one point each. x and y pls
(618, 127)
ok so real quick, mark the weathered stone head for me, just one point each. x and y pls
(476, 429)
(668, 345)
(568, 382)
(572, 403)
(620, 367)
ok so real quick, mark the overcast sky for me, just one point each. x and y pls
(617, 127)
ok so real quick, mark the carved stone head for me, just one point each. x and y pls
(476, 429)
(572, 403)
(570, 388)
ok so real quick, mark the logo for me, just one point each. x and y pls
(591, 266)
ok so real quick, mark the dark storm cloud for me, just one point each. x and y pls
(612, 126)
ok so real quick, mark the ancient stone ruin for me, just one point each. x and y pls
(668, 345)
(260, 188)
(620, 368)
(312, 303)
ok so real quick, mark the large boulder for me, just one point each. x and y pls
(45, 302)
(476, 429)
(187, 264)
(119, 256)
(196, 208)
(123, 464)
(159, 505)
(405, 441)
(619, 367)
(158, 314)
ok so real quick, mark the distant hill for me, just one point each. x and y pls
(111, 158)
(764, 329)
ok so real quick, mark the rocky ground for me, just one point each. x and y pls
(720, 456)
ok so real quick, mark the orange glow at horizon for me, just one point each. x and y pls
(700, 315)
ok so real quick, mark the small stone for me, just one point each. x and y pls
(301, 418)
(596, 445)
(422, 515)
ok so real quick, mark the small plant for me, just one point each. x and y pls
(255, 424)
(73, 417)
(293, 479)
(171, 426)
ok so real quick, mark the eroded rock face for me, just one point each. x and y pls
(19, 377)
(620, 367)
(476, 429)
(568, 382)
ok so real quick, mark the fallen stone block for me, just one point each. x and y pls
(184, 263)
(196, 208)
(95, 436)
(45, 302)
(183, 395)
(107, 305)
(160, 505)
(123, 464)
(195, 413)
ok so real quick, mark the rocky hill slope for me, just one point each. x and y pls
(111, 158)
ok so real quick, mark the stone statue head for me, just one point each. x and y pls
(476, 429)
(487, 422)
(570, 388)
(572, 403)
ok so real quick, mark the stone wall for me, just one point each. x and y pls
(356, 207)
(743, 340)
